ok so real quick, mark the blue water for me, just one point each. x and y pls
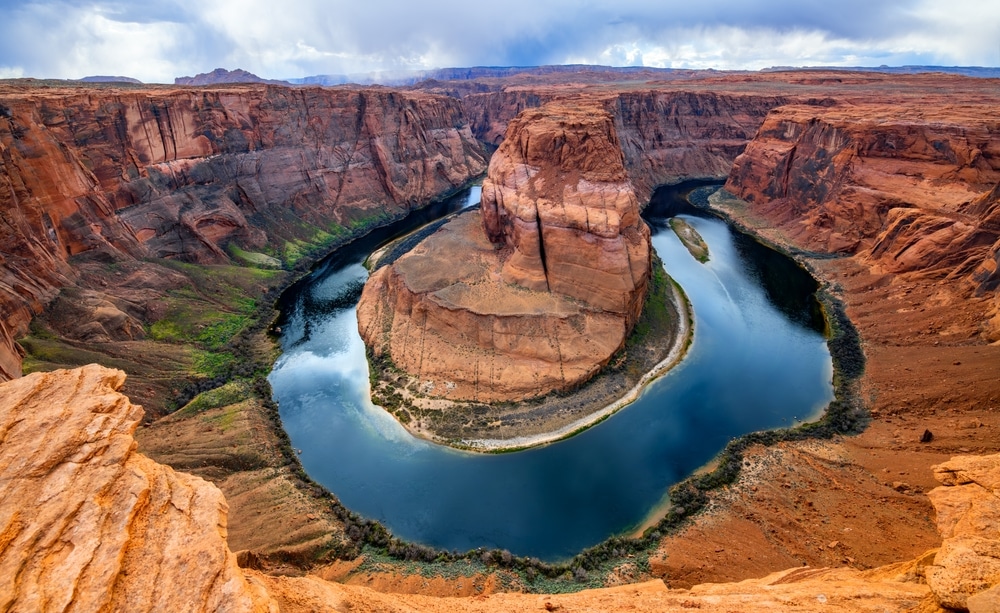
(757, 362)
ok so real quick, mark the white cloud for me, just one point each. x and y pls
(158, 41)
(11, 72)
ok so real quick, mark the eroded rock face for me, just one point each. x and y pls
(966, 570)
(539, 296)
(666, 135)
(183, 174)
(88, 524)
(911, 190)
(558, 199)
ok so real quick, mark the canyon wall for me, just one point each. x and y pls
(190, 174)
(911, 188)
(667, 136)
(545, 291)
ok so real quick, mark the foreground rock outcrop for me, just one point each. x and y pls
(206, 175)
(88, 524)
(966, 570)
(544, 292)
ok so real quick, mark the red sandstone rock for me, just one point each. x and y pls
(667, 135)
(177, 173)
(912, 188)
(552, 300)
(558, 198)
(89, 525)
(444, 316)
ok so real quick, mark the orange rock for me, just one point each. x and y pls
(546, 305)
(912, 188)
(968, 517)
(558, 198)
(89, 524)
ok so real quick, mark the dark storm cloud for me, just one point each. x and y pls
(160, 40)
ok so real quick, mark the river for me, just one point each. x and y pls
(758, 360)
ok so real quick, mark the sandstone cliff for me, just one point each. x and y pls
(558, 199)
(88, 524)
(966, 570)
(555, 295)
(190, 174)
(667, 135)
(912, 188)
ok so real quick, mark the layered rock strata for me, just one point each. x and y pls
(911, 189)
(966, 569)
(666, 135)
(88, 524)
(543, 293)
(188, 174)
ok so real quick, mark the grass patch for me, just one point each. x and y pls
(229, 394)
(656, 317)
(222, 332)
(224, 419)
(253, 258)
(224, 284)
(213, 364)
(47, 353)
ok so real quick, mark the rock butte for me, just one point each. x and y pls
(539, 291)
(89, 524)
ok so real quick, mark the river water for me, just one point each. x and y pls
(758, 361)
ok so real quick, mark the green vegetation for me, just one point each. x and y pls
(228, 394)
(656, 318)
(45, 352)
(224, 419)
(213, 364)
(312, 242)
(253, 258)
(690, 238)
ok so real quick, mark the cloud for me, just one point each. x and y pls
(158, 41)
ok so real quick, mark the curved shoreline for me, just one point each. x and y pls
(682, 342)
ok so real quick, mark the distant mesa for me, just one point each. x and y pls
(107, 79)
(404, 78)
(223, 76)
(983, 72)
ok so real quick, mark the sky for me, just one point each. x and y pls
(158, 40)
